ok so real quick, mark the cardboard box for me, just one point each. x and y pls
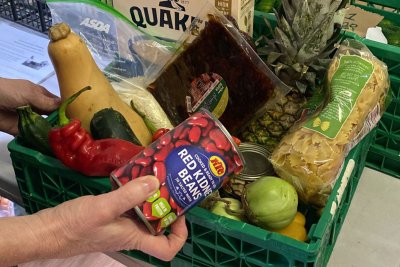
(241, 10)
(168, 19)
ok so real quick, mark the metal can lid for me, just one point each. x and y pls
(257, 161)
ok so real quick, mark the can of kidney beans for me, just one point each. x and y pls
(191, 161)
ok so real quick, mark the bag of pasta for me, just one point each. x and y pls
(311, 155)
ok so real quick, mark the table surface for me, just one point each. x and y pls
(370, 235)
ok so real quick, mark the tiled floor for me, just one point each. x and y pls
(370, 235)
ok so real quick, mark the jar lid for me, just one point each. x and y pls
(257, 161)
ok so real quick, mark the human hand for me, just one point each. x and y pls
(15, 93)
(94, 224)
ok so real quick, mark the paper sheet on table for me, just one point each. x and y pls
(23, 55)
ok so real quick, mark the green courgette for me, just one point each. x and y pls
(34, 130)
(109, 123)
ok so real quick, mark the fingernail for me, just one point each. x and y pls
(150, 184)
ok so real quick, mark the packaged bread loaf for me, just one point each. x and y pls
(311, 156)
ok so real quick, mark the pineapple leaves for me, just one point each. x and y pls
(300, 68)
(302, 22)
(273, 56)
(343, 4)
(284, 43)
(335, 38)
(258, 41)
(263, 51)
(318, 68)
(297, 4)
(315, 42)
(324, 62)
(271, 30)
(278, 67)
(264, 42)
(335, 5)
(285, 27)
(303, 41)
(301, 87)
(288, 10)
(310, 77)
(320, 9)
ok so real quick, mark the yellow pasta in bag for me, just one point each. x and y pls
(311, 155)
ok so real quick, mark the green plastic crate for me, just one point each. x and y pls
(213, 240)
(390, 9)
(384, 152)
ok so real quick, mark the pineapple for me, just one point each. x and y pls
(269, 128)
(299, 54)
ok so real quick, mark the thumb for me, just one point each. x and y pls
(130, 195)
(44, 102)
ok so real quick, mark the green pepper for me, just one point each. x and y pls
(34, 130)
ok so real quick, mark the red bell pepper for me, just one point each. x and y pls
(76, 149)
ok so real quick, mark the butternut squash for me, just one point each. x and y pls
(75, 68)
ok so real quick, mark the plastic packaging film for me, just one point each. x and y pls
(129, 57)
(211, 66)
(120, 48)
(217, 69)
